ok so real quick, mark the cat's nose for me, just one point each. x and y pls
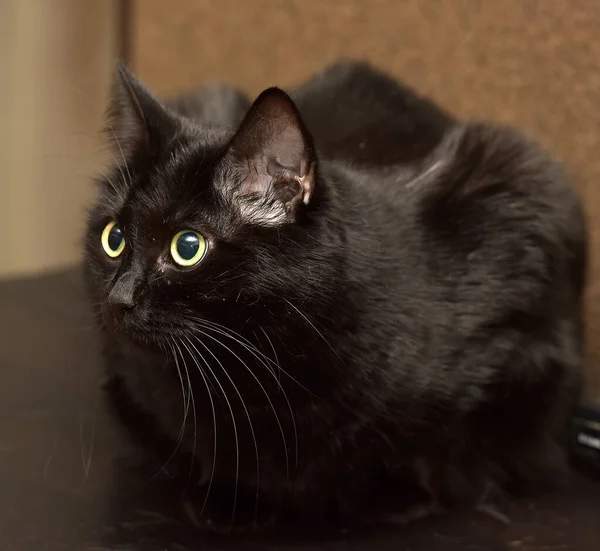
(121, 300)
(120, 307)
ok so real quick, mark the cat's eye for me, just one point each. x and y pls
(188, 248)
(113, 241)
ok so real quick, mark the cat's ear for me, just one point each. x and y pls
(136, 120)
(273, 161)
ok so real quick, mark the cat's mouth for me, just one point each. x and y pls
(128, 328)
(139, 337)
(142, 332)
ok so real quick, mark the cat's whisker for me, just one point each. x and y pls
(252, 349)
(260, 350)
(278, 380)
(85, 328)
(311, 324)
(105, 178)
(240, 339)
(123, 177)
(87, 461)
(154, 280)
(274, 352)
(264, 390)
(237, 447)
(230, 332)
(186, 408)
(213, 324)
(230, 279)
(229, 270)
(185, 401)
(255, 351)
(214, 417)
(193, 402)
(257, 354)
(122, 155)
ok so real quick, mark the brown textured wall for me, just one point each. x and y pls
(531, 63)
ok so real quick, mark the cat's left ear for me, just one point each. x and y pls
(273, 161)
(136, 120)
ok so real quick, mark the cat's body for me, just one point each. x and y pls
(403, 309)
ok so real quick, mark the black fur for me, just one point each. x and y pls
(398, 295)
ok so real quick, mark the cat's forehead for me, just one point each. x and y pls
(177, 186)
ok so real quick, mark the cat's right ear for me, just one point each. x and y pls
(136, 120)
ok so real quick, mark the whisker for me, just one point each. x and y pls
(186, 408)
(87, 461)
(208, 323)
(123, 178)
(274, 351)
(314, 327)
(113, 186)
(240, 339)
(234, 423)
(122, 155)
(193, 402)
(257, 354)
(277, 419)
(212, 405)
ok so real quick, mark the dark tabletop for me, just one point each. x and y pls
(70, 480)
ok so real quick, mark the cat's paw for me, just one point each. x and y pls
(217, 520)
(492, 511)
(414, 513)
(405, 515)
(489, 501)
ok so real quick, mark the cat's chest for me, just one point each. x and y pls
(149, 383)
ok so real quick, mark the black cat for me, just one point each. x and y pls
(346, 302)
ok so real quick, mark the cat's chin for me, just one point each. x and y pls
(138, 341)
(129, 333)
(145, 349)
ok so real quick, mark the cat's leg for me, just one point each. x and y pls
(520, 437)
(228, 509)
(414, 492)
(488, 503)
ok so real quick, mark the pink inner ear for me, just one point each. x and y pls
(259, 179)
(286, 149)
(275, 156)
(273, 131)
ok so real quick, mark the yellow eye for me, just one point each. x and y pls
(113, 241)
(188, 248)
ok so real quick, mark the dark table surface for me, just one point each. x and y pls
(69, 478)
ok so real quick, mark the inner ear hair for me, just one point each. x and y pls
(275, 157)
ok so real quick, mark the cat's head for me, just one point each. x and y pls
(201, 223)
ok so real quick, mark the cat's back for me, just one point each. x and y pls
(362, 115)
(354, 112)
(486, 205)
